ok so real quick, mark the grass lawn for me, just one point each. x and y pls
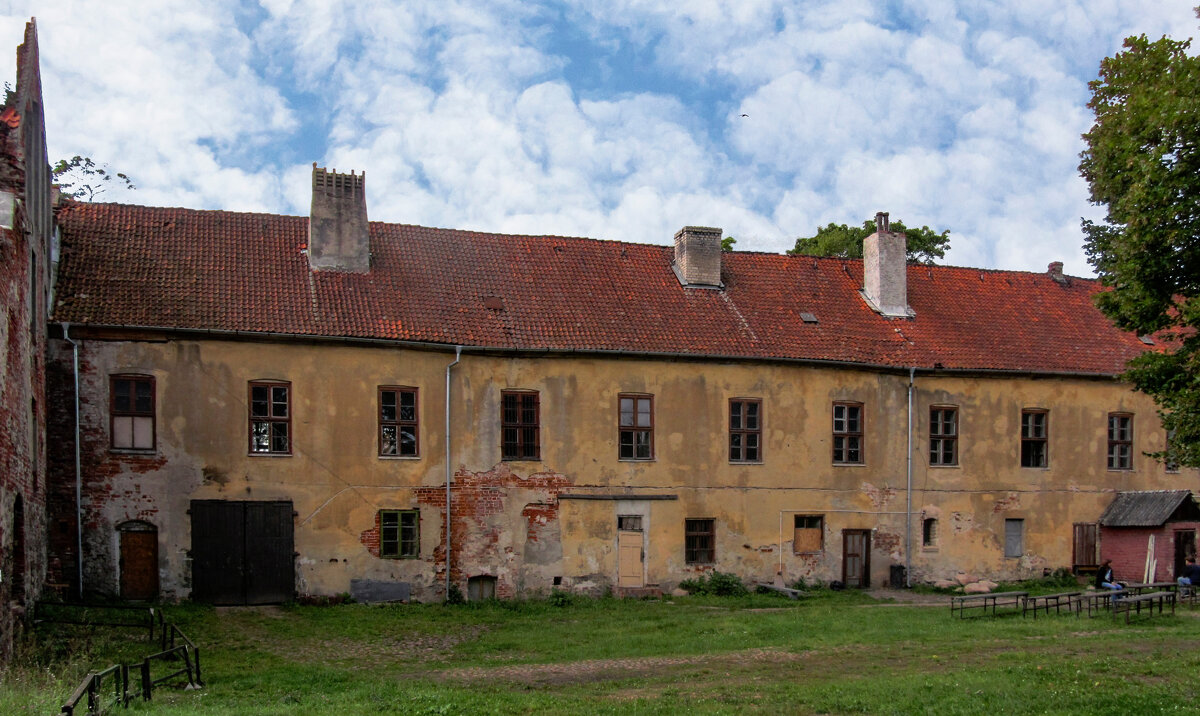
(831, 653)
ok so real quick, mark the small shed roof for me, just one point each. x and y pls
(1148, 508)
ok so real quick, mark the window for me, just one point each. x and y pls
(520, 438)
(809, 534)
(745, 430)
(398, 422)
(636, 425)
(699, 541)
(1120, 441)
(629, 523)
(1035, 429)
(943, 436)
(131, 412)
(399, 534)
(270, 418)
(847, 433)
(1014, 538)
(929, 532)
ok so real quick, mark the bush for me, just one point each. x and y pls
(806, 586)
(719, 584)
(559, 598)
(455, 596)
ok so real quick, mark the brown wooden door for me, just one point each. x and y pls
(629, 559)
(139, 564)
(856, 558)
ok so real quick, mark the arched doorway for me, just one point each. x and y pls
(139, 560)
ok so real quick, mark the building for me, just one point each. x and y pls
(26, 235)
(1149, 534)
(274, 406)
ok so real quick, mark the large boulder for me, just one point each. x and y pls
(946, 584)
(976, 588)
(964, 579)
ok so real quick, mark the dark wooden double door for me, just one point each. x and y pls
(242, 552)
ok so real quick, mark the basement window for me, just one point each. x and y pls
(1014, 538)
(929, 532)
(399, 534)
(809, 534)
(131, 412)
(270, 418)
(700, 541)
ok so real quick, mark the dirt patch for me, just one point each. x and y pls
(609, 669)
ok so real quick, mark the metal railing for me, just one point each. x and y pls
(143, 617)
(92, 688)
(175, 647)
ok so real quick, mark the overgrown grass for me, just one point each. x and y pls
(835, 652)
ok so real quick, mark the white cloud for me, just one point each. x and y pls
(960, 116)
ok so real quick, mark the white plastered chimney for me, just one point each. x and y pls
(885, 270)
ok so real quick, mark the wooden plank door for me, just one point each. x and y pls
(139, 564)
(629, 559)
(242, 552)
(856, 558)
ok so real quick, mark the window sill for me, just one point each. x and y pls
(747, 462)
(133, 451)
(268, 454)
(806, 554)
(955, 466)
(636, 459)
(396, 557)
(849, 464)
(1035, 467)
(929, 548)
(1120, 469)
(520, 459)
(399, 457)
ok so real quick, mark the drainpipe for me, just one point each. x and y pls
(78, 472)
(449, 468)
(912, 372)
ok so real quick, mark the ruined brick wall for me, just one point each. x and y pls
(24, 283)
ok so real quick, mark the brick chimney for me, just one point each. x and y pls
(337, 224)
(698, 256)
(885, 272)
(1055, 271)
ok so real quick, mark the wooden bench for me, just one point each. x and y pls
(1189, 593)
(1140, 588)
(1132, 604)
(962, 603)
(1095, 602)
(1046, 601)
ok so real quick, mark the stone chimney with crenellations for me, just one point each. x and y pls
(885, 270)
(337, 224)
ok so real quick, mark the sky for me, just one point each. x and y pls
(612, 119)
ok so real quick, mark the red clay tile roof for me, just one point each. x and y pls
(177, 268)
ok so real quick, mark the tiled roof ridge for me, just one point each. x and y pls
(71, 204)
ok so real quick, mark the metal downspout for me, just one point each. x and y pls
(908, 491)
(78, 471)
(449, 467)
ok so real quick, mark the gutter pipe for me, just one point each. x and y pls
(449, 468)
(912, 372)
(78, 471)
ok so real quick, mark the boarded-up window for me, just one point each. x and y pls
(1014, 538)
(809, 535)
(1087, 554)
(131, 411)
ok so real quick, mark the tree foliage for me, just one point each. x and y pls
(81, 178)
(1142, 163)
(924, 244)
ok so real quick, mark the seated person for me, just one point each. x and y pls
(1105, 578)
(1191, 573)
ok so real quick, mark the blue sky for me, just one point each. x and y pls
(619, 119)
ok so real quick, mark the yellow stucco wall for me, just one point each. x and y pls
(513, 526)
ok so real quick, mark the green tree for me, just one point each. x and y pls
(727, 243)
(81, 178)
(924, 244)
(1142, 164)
